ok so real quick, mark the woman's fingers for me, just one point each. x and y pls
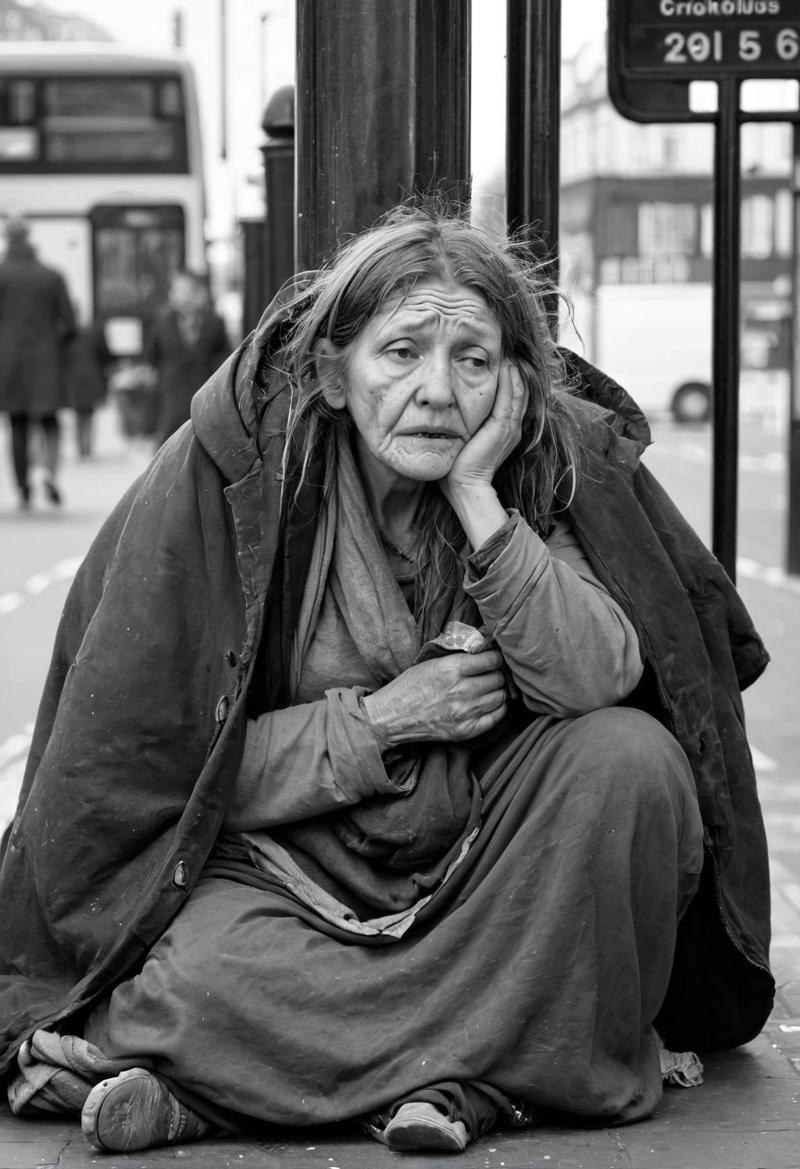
(446, 698)
(519, 395)
(486, 683)
(511, 398)
(478, 663)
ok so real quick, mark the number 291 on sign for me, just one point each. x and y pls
(747, 45)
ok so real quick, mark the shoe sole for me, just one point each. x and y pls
(110, 1108)
(423, 1135)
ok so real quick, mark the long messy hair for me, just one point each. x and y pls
(406, 247)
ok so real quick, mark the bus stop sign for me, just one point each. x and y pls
(656, 47)
(656, 50)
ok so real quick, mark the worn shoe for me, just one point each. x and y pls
(135, 1110)
(419, 1125)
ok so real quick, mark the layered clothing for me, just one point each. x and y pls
(180, 630)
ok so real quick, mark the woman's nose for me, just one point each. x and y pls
(436, 386)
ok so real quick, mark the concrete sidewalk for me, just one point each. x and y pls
(745, 1116)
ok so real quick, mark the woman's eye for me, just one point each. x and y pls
(401, 353)
(475, 362)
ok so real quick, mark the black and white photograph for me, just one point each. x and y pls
(400, 584)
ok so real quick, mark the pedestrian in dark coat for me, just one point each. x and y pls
(187, 342)
(88, 365)
(36, 322)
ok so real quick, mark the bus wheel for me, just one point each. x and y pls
(692, 403)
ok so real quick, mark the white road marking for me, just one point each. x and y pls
(63, 570)
(776, 578)
(773, 462)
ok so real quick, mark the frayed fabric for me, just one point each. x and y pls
(57, 1072)
(680, 1069)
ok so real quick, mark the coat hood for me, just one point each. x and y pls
(241, 404)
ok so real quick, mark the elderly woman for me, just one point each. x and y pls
(391, 764)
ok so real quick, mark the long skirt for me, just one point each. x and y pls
(536, 970)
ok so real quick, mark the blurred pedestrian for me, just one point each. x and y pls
(88, 367)
(187, 341)
(36, 322)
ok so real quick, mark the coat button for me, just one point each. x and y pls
(180, 875)
(222, 709)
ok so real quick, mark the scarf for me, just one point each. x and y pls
(389, 850)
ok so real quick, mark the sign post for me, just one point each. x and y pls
(793, 535)
(657, 48)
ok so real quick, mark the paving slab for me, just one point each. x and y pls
(745, 1116)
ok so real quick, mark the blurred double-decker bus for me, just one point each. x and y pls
(100, 150)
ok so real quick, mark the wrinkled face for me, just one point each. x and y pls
(420, 379)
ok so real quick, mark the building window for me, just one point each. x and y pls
(707, 231)
(757, 227)
(783, 223)
(667, 229)
(620, 231)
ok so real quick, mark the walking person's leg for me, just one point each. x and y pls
(51, 444)
(20, 433)
(84, 427)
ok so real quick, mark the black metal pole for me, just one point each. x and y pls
(725, 353)
(532, 123)
(382, 112)
(793, 513)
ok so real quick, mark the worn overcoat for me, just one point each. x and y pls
(179, 623)
(36, 323)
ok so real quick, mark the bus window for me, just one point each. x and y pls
(72, 97)
(99, 143)
(94, 123)
(136, 250)
(17, 102)
(18, 144)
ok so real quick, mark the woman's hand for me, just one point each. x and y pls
(495, 439)
(469, 487)
(450, 699)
